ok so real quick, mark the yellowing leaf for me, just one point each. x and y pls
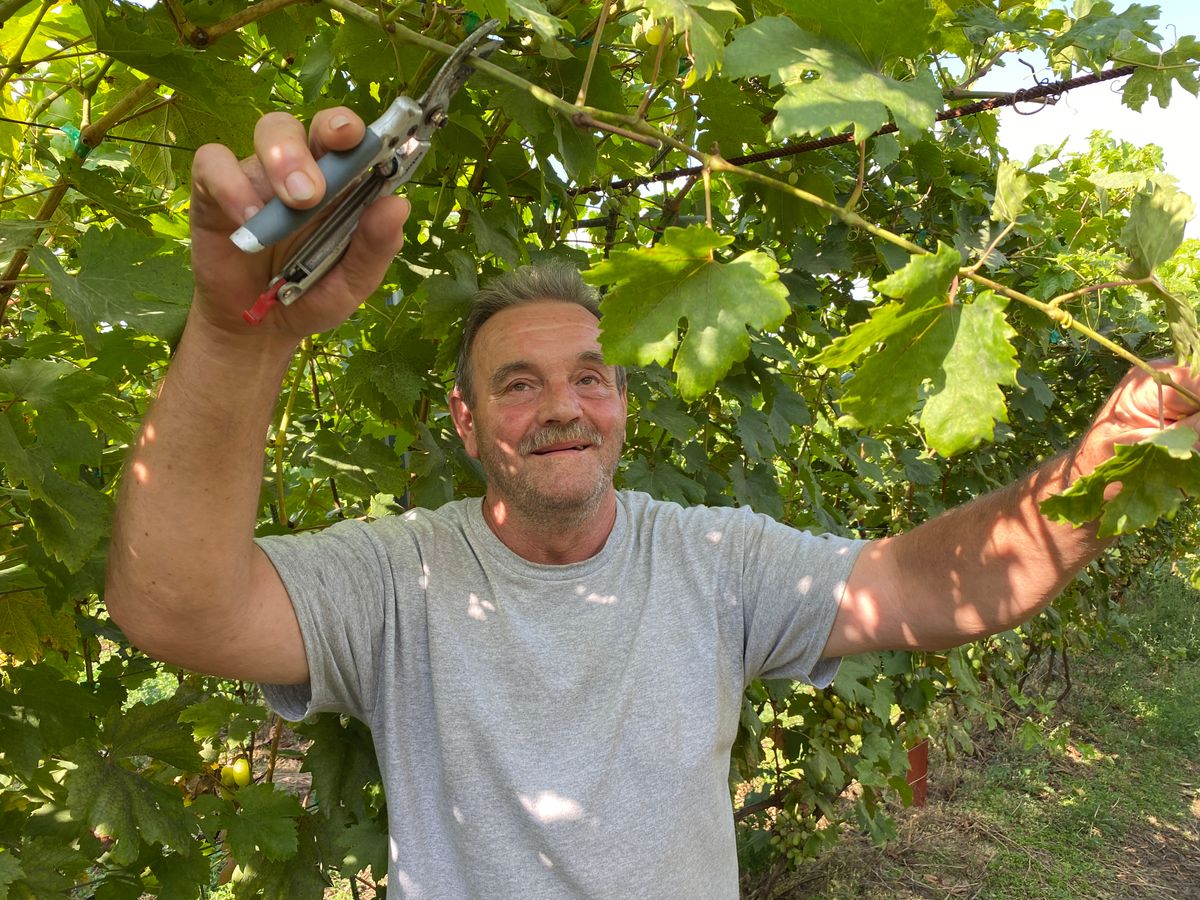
(653, 290)
(28, 626)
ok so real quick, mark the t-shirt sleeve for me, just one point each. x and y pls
(792, 584)
(340, 588)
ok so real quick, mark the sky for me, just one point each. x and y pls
(1080, 112)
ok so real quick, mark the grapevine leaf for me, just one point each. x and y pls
(848, 91)
(208, 717)
(663, 481)
(1100, 31)
(545, 25)
(64, 711)
(42, 382)
(340, 760)
(652, 289)
(126, 806)
(1012, 188)
(963, 350)
(1155, 227)
(28, 626)
(1156, 70)
(1155, 475)
(154, 730)
(300, 876)
(21, 743)
(364, 844)
(71, 518)
(50, 868)
(703, 22)
(925, 280)
(967, 402)
(121, 281)
(265, 822)
(146, 40)
(10, 871)
(881, 30)
(670, 414)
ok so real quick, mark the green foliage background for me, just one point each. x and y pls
(851, 340)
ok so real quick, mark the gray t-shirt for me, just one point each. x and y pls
(558, 731)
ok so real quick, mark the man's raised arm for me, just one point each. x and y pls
(995, 562)
(185, 581)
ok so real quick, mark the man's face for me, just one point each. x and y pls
(548, 420)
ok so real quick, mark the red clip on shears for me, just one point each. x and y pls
(390, 151)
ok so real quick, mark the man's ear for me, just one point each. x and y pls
(464, 422)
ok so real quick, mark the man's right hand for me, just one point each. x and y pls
(226, 192)
(186, 582)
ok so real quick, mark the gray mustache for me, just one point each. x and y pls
(554, 434)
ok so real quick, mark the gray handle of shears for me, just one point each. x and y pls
(277, 220)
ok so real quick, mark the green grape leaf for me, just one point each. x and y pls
(51, 868)
(265, 823)
(126, 806)
(10, 871)
(963, 350)
(670, 414)
(704, 23)
(364, 844)
(881, 30)
(208, 717)
(64, 711)
(848, 91)
(1012, 189)
(1157, 70)
(1100, 31)
(146, 40)
(652, 289)
(663, 481)
(121, 280)
(300, 876)
(545, 25)
(43, 382)
(29, 626)
(154, 730)
(21, 743)
(71, 517)
(966, 401)
(1155, 227)
(341, 759)
(925, 280)
(1155, 476)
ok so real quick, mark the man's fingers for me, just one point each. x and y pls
(281, 144)
(336, 128)
(377, 240)
(222, 187)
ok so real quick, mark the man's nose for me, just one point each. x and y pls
(560, 402)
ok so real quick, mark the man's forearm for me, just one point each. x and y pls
(182, 536)
(976, 570)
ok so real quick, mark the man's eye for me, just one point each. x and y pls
(518, 386)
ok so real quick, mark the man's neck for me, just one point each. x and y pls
(550, 539)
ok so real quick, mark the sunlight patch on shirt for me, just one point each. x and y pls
(804, 585)
(593, 597)
(550, 808)
(713, 537)
(423, 580)
(478, 609)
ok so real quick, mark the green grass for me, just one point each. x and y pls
(1113, 811)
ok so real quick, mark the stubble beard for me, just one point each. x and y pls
(530, 498)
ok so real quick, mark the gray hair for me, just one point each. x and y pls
(551, 282)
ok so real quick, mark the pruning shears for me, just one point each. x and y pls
(388, 155)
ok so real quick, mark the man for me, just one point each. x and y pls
(553, 673)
